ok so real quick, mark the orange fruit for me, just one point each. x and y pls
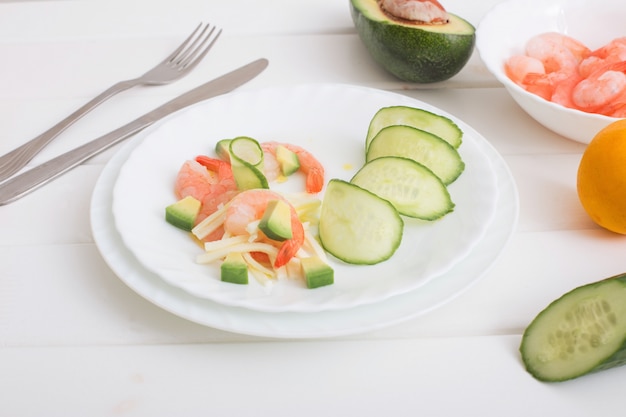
(601, 181)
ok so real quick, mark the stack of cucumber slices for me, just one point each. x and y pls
(411, 156)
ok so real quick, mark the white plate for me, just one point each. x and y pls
(331, 121)
(301, 325)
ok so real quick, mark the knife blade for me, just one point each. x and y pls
(22, 184)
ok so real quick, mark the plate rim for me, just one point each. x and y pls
(297, 324)
(329, 301)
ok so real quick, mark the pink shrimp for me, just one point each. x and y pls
(530, 74)
(518, 67)
(209, 180)
(617, 109)
(572, 74)
(562, 93)
(549, 67)
(271, 166)
(543, 85)
(249, 206)
(309, 165)
(600, 89)
(556, 51)
(423, 11)
(609, 54)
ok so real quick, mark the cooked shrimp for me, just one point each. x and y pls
(556, 51)
(617, 109)
(573, 75)
(544, 85)
(309, 165)
(518, 67)
(248, 207)
(423, 11)
(601, 88)
(549, 66)
(271, 166)
(562, 93)
(609, 54)
(208, 180)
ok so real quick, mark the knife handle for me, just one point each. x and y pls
(30, 180)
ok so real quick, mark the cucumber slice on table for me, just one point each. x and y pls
(413, 189)
(357, 226)
(246, 159)
(421, 119)
(584, 331)
(421, 146)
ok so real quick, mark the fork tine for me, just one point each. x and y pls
(201, 50)
(191, 48)
(176, 65)
(183, 45)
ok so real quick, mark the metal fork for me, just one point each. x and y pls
(176, 65)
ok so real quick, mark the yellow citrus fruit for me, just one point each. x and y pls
(601, 181)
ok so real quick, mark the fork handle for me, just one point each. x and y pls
(16, 159)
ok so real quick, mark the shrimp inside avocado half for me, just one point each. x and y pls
(414, 40)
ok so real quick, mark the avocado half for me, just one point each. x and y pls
(412, 51)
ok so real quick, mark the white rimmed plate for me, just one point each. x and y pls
(330, 121)
(302, 325)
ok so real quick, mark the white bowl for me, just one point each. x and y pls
(506, 28)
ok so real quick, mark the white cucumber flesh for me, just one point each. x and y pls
(414, 190)
(356, 226)
(421, 146)
(246, 158)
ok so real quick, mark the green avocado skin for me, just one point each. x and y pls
(413, 54)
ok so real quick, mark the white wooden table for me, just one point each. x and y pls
(76, 341)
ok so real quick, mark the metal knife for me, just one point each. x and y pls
(22, 184)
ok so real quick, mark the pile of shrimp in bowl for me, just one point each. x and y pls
(563, 62)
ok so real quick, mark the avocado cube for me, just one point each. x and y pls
(234, 269)
(316, 272)
(276, 221)
(288, 160)
(183, 213)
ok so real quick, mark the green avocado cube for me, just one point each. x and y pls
(317, 273)
(183, 213)
(288, 160)
(234, 269)
(276, 221)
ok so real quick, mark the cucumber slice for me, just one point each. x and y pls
(413, 189)
(421, 119)
(246, 159)
(423, 147)
(584, 331)
(248, 150)
(356, 226)
(222, 149)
